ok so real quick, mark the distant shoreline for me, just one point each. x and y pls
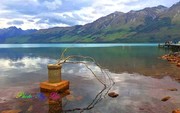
(74, 45)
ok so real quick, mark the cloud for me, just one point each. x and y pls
(27, 64)
(53, 5)
(34, 7)
(50, 13)
(31, 20)
(16, 22)
(57, 19)
(22, 7)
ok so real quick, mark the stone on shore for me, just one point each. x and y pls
(165, 98)
(11, 111)
(176, 111)
(178, 64)
(173, 58)
(113, 94)
(173, 89)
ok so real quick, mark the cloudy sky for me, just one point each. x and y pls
(39, 14)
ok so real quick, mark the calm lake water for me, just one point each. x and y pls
(141, 78)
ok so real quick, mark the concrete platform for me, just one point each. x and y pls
(54, 87)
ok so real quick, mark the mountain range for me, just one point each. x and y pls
(149, 25)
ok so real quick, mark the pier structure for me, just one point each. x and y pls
(173, 47)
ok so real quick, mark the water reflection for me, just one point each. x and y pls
(132, 59)
(23, 70)
(138, 94)
(27, 64)
(56, 106)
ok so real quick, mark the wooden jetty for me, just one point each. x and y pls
(174, 47)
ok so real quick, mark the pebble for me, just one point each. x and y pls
(177, 79)
(173, 89)
(165, 98)
(11, 111)
(113, 94)
(173, 58)
(30, 108)
(176, 111)
(70, 97)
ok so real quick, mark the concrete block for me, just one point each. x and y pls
(54, 87)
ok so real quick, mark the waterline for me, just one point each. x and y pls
(74, 45)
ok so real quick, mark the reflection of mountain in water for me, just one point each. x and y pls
(133, 59)
(136, 91)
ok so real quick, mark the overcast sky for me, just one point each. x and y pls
(39, 14)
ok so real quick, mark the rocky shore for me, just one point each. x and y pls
(173, 58)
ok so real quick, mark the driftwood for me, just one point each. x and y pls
(107, 84)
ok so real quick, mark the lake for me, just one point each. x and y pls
(141, 78)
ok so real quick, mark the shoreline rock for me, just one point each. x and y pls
(173, 89)
(165, 98)
(176, 111)
(11, 111)
(113, 94)
(173, 58)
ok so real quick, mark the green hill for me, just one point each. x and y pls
(155, 24)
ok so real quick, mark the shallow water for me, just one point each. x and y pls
(141, 78)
